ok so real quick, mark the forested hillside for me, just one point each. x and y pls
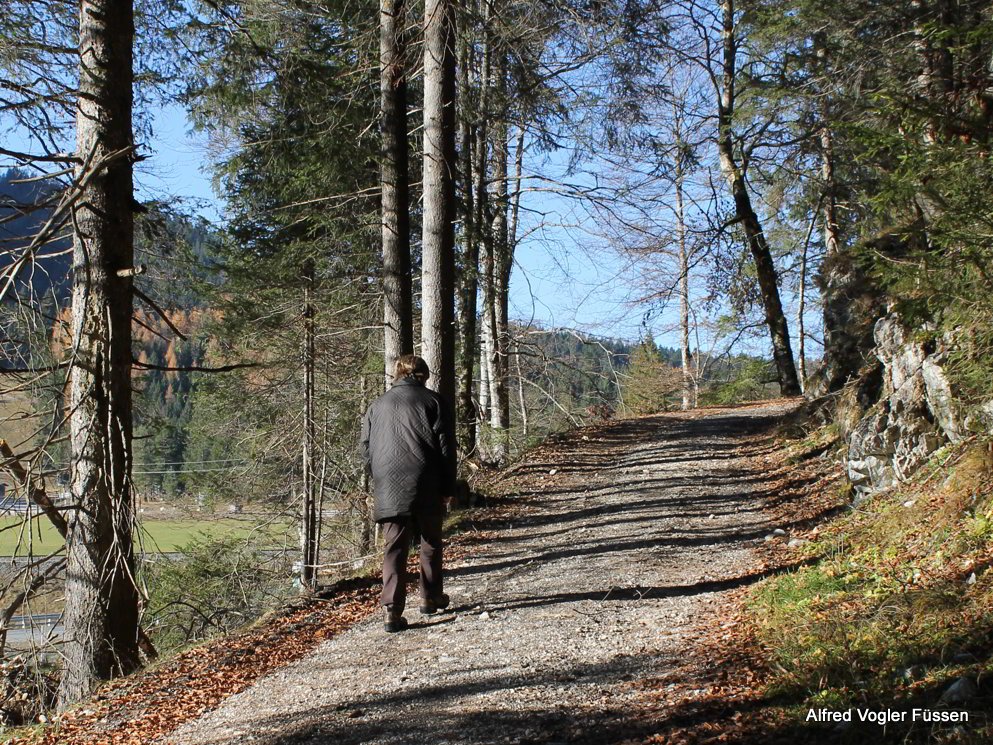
(598, 222)
(25, 208)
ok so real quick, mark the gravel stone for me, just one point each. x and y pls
(597, 588)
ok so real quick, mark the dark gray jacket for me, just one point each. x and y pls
(408, 442)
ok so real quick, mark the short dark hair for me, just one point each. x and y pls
(411, 366)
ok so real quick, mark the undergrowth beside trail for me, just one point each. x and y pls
(896, 607)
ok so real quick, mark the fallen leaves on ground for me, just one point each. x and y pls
(715, 697)
(139, 709)
(719, 695)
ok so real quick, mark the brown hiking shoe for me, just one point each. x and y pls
(430, 606)
(394, 621)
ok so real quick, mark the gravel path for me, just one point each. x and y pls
(629, 543)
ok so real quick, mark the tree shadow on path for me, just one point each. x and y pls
(466, 711)
(615, 594)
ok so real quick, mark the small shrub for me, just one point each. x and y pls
(27, 689)
(750, 383)
(220, 584)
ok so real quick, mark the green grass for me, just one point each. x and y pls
(886, 614)
(157, 536)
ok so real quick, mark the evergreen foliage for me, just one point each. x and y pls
(904, 91)
(848, 140)
(653, 380)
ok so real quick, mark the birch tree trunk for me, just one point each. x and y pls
(438, 242)
(398, 316)
(765, 268)
(684, 289)
(490, 374)
(488, 340)
(498, 263)
(515, 212)
(101, 611)
(484, 374)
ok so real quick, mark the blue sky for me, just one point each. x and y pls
(178, 164)
(556, 281)
(564, 275)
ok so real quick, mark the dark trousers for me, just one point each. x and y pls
(397, 534)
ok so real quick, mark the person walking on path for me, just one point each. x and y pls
(408, 443)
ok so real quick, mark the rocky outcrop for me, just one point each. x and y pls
(852, 303)
(916, 414)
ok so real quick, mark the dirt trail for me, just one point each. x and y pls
(639, 533)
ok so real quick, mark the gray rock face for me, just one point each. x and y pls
(917, 412)
(852, 302)
(959, 692)
(981, 419)
(940, 400)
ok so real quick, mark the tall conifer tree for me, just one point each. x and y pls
(101, 612)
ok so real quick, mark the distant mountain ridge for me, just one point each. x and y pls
(25, 207)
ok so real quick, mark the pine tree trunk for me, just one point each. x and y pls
(365, 508)
(101, 610)
(308, 528)
(515, 201)
(765, 268)
(398, 317)
(934, 83)
(521, 398)
(438, 243)
(841, 356)
(768, 280)
(829, 205)
(801, 308)
(470, 262)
